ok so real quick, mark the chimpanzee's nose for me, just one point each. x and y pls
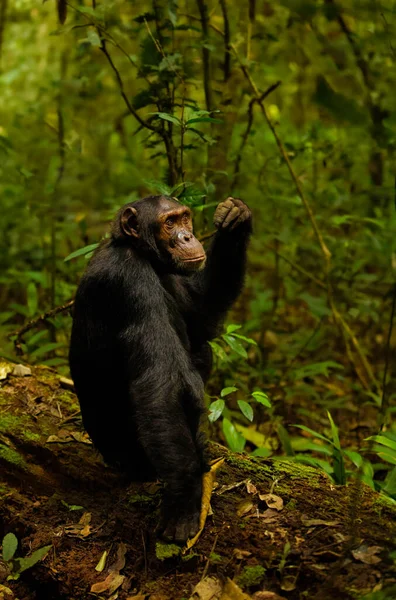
(185, 236)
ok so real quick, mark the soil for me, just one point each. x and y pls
(310, 539)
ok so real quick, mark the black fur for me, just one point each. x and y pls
(139, 357)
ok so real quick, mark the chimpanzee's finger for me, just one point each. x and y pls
(233, 214)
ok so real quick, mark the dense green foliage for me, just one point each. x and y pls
(125, 99)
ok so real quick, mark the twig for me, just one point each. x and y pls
(30, 324)
(297, 267)
(204, 572)
(245, 135)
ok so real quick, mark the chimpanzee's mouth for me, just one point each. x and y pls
(194, 260)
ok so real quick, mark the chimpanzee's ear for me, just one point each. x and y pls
(129, 222)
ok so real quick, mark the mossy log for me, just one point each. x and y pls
(311, 539)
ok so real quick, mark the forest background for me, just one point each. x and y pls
(289, 105)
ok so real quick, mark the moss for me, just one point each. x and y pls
(140, 499)
(164, 551)
(251, 576)
(18, 424)
(12, 457)
(4, 490)
(215, 558)
(291, 505)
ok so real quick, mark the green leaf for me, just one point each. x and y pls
(219, 351)
(334, 431)
(167, 117)
(262, 399)
(204, 120)
(93, 38)
(321, 368)
(231, 328)
(285, 440)
(262, 452)
(246, 409)
(341, 107)
(81, 251)
(390, 483)
(252, 435)
(22, 564)
(227, 390)
(235, 345)
(314, 433)
(245, 339)
(10, 545)
(235, 440)
(46, 348)
(32, 299)
(216, 410)
(383, 440)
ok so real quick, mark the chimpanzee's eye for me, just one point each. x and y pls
(170, 221)
(186, 220)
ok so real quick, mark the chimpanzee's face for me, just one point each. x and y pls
(170, 224)
(175, 238)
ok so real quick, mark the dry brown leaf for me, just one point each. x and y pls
(269, 515)
(112, 582)
(272, 501)
(207, 589)
(367, 554)
(207, 486)
(138, 597)
(314, 522)
(82, 528)
(241, 554)
(244, 507)
(251, 488)
(267, 596)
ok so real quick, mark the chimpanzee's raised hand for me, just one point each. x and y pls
(231, 213)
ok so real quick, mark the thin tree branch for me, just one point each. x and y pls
(227, 41)
(203, 11)
(246, 133)
(34, 322)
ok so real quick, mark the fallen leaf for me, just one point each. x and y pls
(241, 554)
(102, 562)
(82, 528)
(207, 486)
(267, 596)
(110, 584)
(367, 554)
(66, 383)
(269, 515)
(21, 371)
(5, 369)
(314, 522)
(207, 589)
(272, 501)
(232, 591)
(138, 597)
(244, 507)
(114, 580)
(6, 593)
(251, 488)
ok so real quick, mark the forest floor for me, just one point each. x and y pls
(278, 529)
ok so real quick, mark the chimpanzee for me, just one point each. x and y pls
(145, 309)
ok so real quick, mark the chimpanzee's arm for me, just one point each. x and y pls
(216, 288)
